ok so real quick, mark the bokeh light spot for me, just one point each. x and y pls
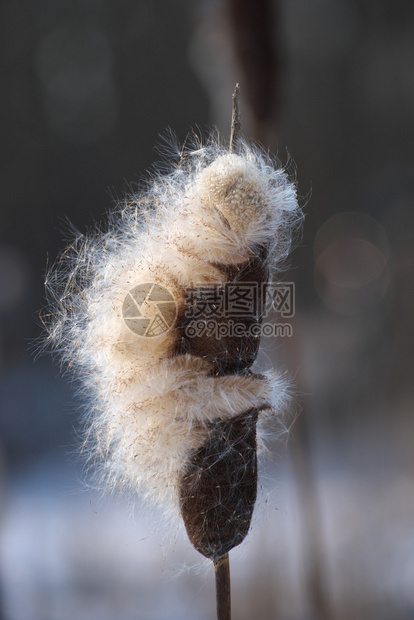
(351, 262)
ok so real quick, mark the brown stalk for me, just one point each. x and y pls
(235, 118)
(222, 565)
(219, 485)
(223, 603)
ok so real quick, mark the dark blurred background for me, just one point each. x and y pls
(86, 89)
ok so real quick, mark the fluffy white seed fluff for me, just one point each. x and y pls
(147, 410)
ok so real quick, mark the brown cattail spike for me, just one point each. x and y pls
(229, 354)
(218, 489)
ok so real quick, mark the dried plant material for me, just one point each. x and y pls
(219, 487)
(172, 412)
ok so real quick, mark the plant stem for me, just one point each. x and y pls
(235, 118)
(222, 564)
(222, 570)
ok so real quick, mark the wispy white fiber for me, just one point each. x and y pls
(148, 408)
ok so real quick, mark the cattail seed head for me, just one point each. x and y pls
(172, 414)
(219, 486)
